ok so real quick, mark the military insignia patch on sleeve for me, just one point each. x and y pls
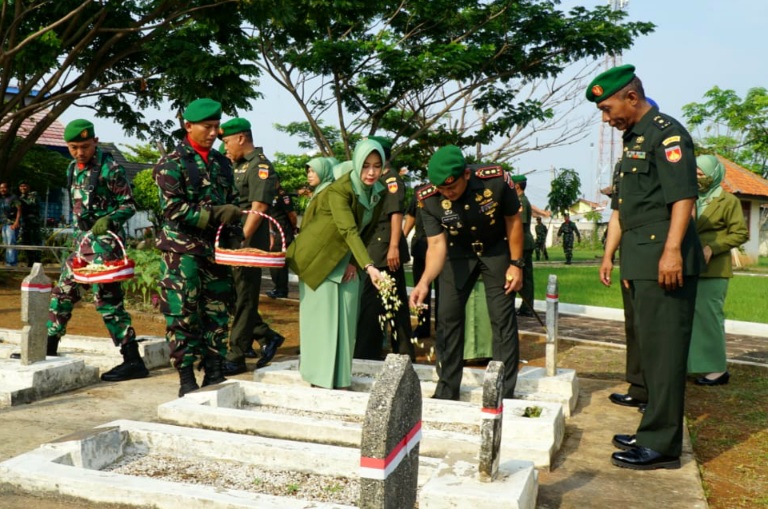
(392, 185)
(674, 154)
(263, 173)
(671, 139)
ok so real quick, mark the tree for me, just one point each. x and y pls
(118, 58)
(147, 197)
(410, 67)
(732, 127)
(565, 191)
(145, 153)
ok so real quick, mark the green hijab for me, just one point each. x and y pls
(323, 168)
(368, 196)
(714, 169)
(342, 169)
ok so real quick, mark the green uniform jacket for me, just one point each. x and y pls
(330, 233)
(525, 216)
(256, 180)
(657, 169)
(721, 227)
(393, 203)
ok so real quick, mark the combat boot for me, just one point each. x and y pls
(213, 371)
(53, 346)
(187, 379)
(131, 368)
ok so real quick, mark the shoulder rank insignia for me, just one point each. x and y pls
(425, 192)
(392, 184)
(490, 172)
(661, 122)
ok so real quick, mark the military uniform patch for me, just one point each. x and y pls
(392, 185)
(671, 139)
(634, 154)
(674, 154)
(263, 174)
(661, 122)
(490, 171)
(426, 192)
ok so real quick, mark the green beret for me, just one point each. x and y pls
(385, 143)
(446, 165)
(79, 130)
(223, 148)
(200, 110)
(610, 82)
(234, 126)
(519, 178)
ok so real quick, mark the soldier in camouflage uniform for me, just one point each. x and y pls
(541, 240)
(567, 230)
(258, 187)
(101, 202)
(30, 234)
(197, 190)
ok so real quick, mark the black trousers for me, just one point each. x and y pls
(634, 373)
(449, 345)
(280, 279)
(424, 328)
(247, 324)
(663, 323)
(370, 335)
(527, 291)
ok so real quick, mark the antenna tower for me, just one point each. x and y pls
(609, 146)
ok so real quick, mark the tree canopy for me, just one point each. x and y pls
(733, 127)
(565, 191)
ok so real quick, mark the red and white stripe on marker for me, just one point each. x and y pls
(36, 287)
(380, 468)
(493, 413)
(552, 297)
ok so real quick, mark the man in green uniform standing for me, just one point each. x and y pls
(660, 258)
(30, 234)
(472, 221)
(197, 192)
(285, 215)
(257, 185)
(102, 202)
(526, 293)
(567, 230)
(389, 251)
(541, 240)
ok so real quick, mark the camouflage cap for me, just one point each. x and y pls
(609, 82)
(234, 126)
(200, 110)
(79, 130)
(446, 165)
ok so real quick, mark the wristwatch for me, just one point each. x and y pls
(519, 263)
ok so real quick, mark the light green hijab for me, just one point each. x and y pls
(342, 169)
(368, 196)
(323, 168)
(714, 170)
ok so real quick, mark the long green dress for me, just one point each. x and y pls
(478, 336)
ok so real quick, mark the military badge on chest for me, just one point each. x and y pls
(450, 220)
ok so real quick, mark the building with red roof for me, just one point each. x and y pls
(752, 190)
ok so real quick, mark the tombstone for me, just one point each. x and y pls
(35, 297)
(490, 427)
(553, 300)
(389, 449)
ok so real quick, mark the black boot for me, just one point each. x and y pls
(187, 379)
(213, 373)
(132, 366)
(53, 346)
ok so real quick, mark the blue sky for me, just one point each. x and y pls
(696, 45)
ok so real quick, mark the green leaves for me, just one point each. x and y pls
(565, 191)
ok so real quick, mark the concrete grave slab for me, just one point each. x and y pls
(71, 466)
(280, 411)
(533, 384)
(21, 384)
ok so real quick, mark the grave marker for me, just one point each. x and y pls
(490, 428)
(553, 303)
(35, 297)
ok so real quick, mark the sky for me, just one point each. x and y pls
(697, 44)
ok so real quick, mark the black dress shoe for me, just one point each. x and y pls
(251, 353)
(624, 400)
(642, 458)
(624, 442)
(641, 407)
(269, 349)
(229, 368)
(274, 294)
(525, 312)
(721, 380)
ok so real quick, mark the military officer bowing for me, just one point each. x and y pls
(471, 218)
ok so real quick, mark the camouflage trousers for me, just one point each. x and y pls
(109, 298)
(195, 297)
(568, 249)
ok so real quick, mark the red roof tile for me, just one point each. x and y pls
(741, 181)
(51, 137)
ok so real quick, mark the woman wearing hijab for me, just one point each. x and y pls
(319, 177)
(327, 256)
(721, 227)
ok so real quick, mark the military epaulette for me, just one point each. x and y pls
(490, 172)
(425, 192)
(661, 122)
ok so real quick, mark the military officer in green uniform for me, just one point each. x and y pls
(389, 251)
(197, 192)
(30, 233)
(258, 187)
(526, 293)
(285, 214)
(660, 258)
(101, 202)
(472, 221)
(541, 240)
(567, 231)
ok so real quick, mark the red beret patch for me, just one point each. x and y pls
(597, 90)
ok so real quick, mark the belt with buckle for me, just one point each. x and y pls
(478, 247)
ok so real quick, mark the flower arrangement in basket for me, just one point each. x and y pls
(248, 256)
(110, 271)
